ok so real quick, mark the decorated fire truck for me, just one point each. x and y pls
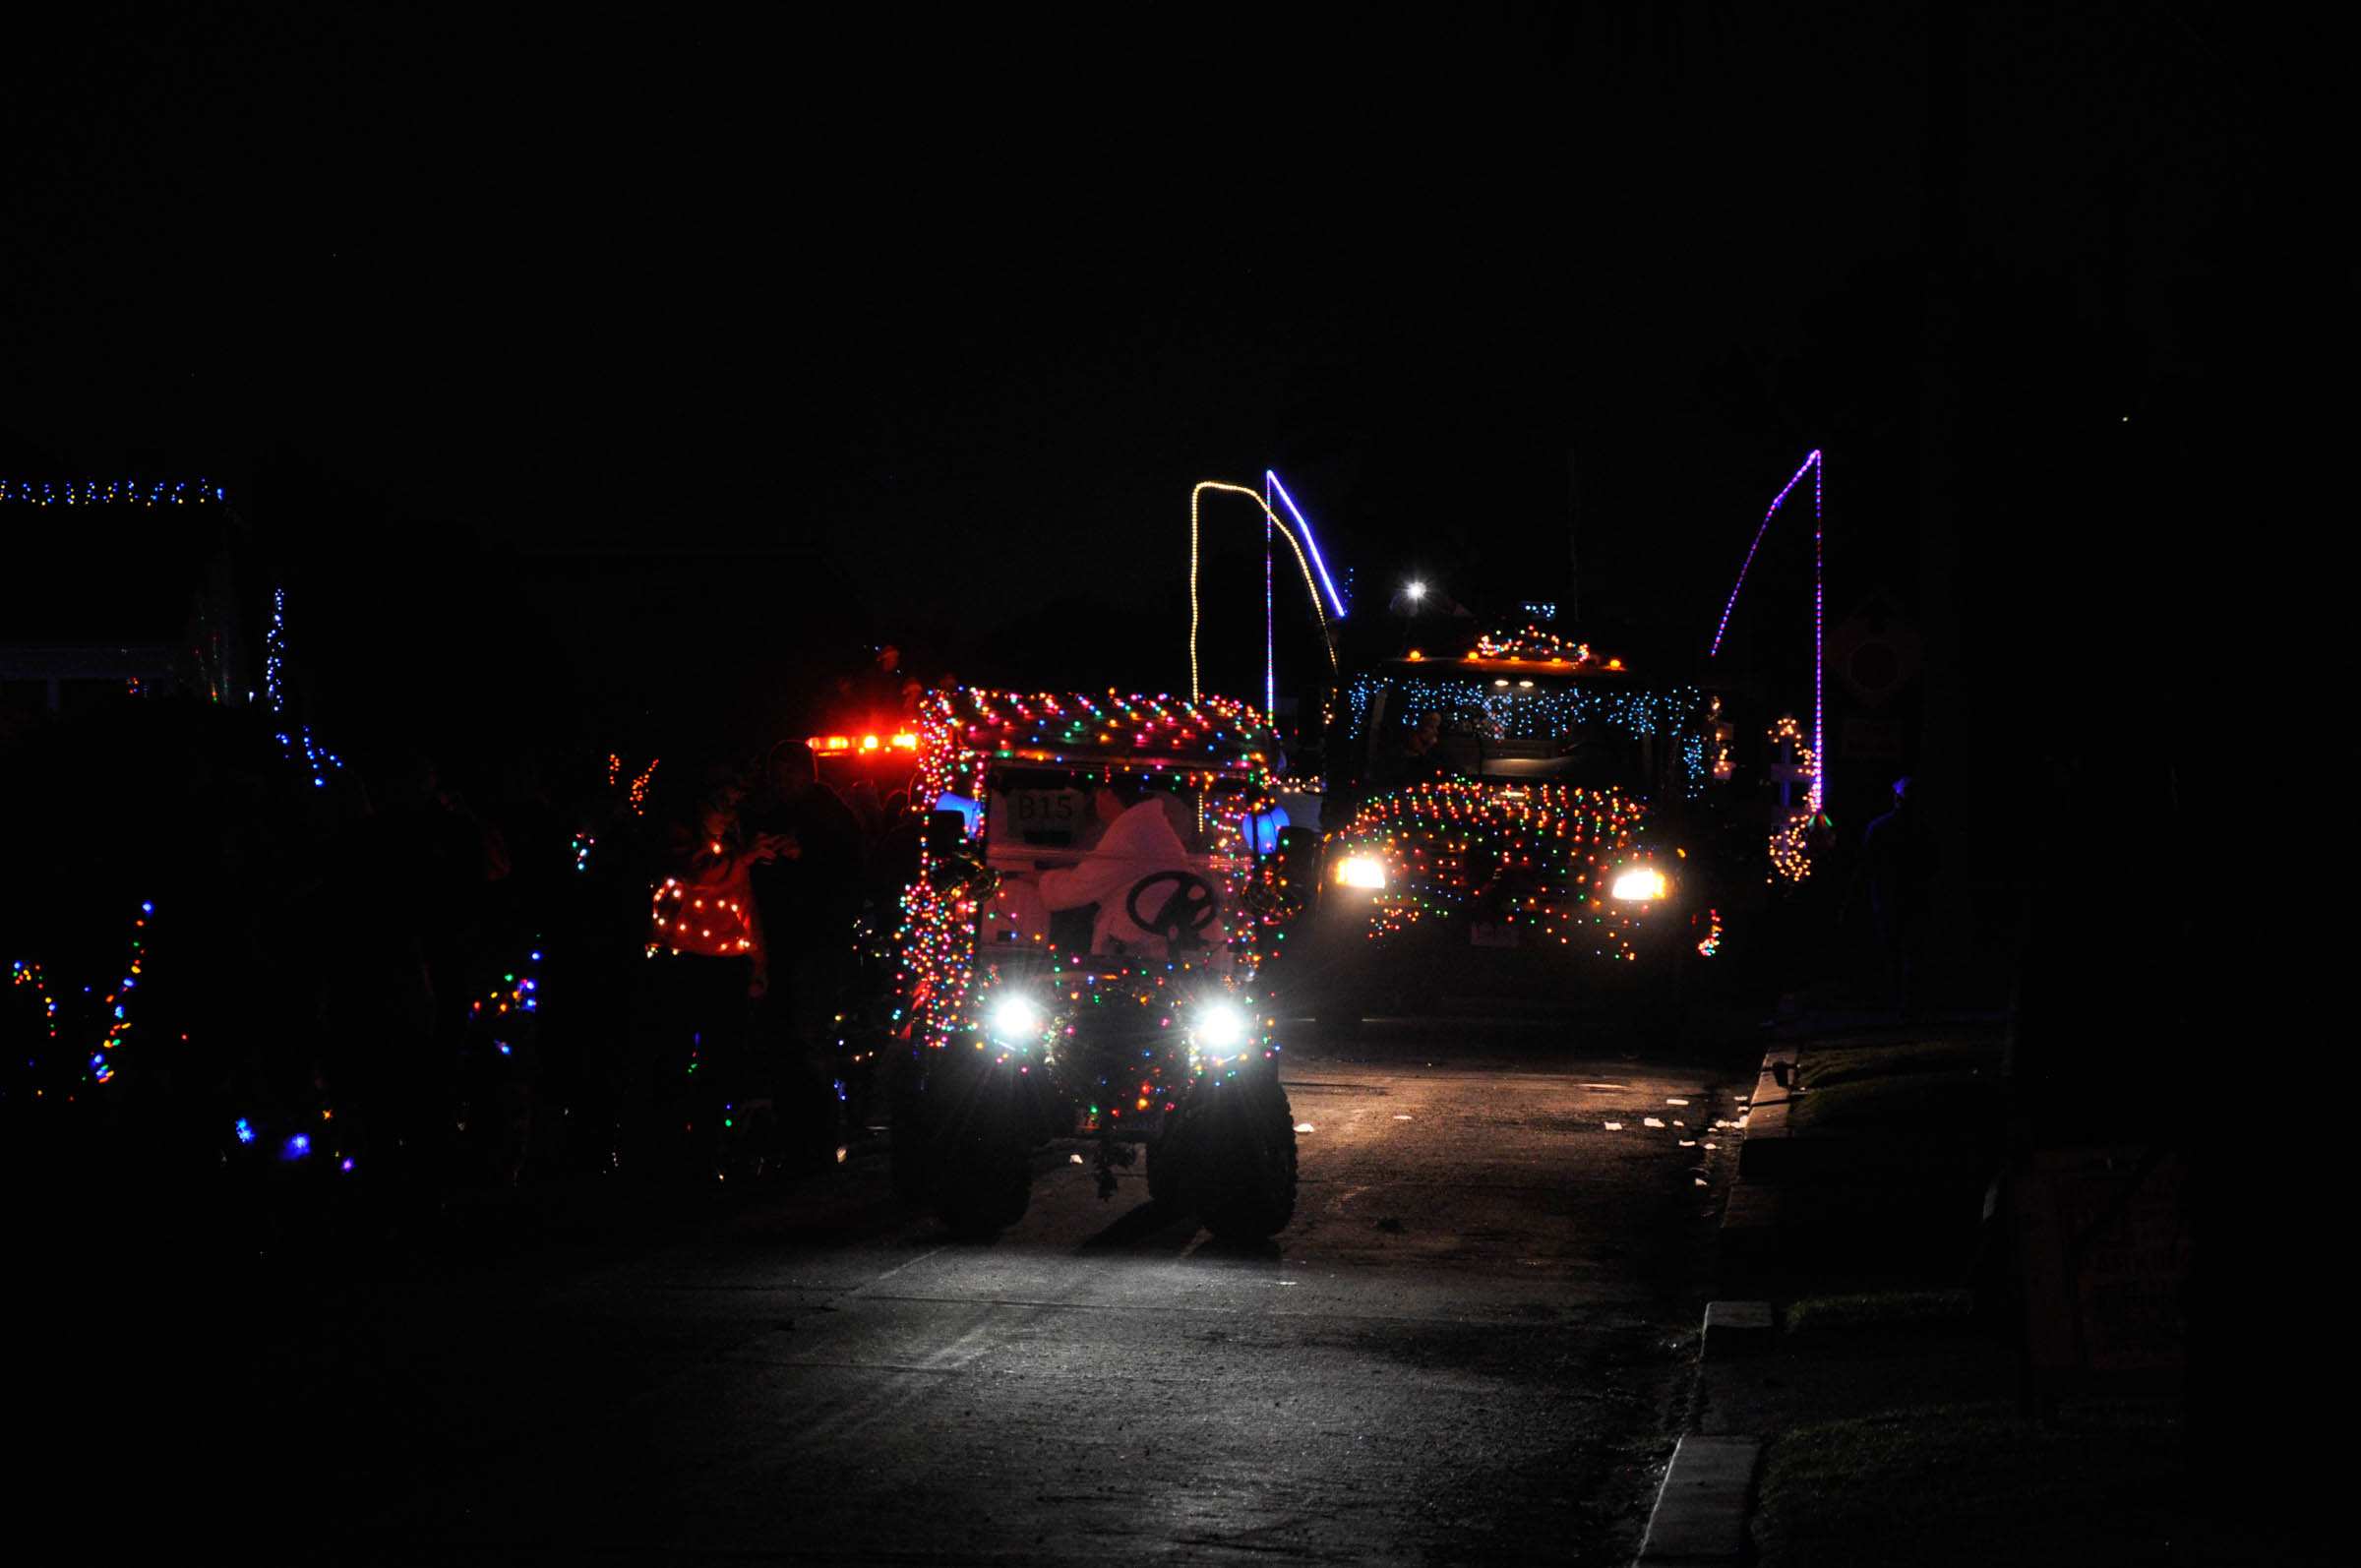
(1081, 956)
(1507, 820)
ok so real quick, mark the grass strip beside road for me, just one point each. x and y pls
(1943, 1091)
(1976, 1484)
(1881, 1309)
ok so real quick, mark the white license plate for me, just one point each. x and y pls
(1486, 934)
(1054, 814)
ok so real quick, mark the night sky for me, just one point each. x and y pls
(946, 315)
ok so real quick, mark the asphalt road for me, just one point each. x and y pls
(1472, 1345)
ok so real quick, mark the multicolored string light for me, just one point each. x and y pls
(1209, 737)
(1537, 855)
(1536, 644)
(114, 1007)
(1214, 743)
(1790, 841)
(518, 993)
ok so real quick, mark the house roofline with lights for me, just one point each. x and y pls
(127, 587)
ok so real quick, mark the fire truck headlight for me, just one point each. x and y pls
(1363, 871)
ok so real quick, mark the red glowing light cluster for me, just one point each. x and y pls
(863, 745)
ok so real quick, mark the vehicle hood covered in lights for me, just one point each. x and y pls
(1541, 856)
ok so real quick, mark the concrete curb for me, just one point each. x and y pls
(1737, 1328)
(1702, 1509)
(1707, 1500)
(1766, 1143)
(1750, 1213)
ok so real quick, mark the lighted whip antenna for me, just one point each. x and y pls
(1812, 466)
(1195, 498)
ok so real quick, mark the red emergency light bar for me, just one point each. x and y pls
(902, 740)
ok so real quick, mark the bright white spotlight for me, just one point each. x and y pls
(1220, 1028)
(1362, 870)
(1416, 590)
(1016, 1020)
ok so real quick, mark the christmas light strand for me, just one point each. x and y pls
(114, 493)
(1335, 599)
(1813, 465)
(114, 1007)
(944, 972)
(317, 758)
(1505, 710)
(1790, 841)
(1538, 856)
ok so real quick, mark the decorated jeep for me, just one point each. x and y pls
(1503, 822)
(1080, 955)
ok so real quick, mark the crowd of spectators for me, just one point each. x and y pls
(323, 958)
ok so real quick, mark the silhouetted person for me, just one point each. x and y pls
(809, 902)
(1898, 863)
(868, 811)
(893, 855)
(1419, 756)
(699, 996)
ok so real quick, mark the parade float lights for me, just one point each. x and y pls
(947, 990)
(1178, 740)
(1544, 856)
(1320, 612)
(1334, 598)
(1814, 465)
(1508, 709)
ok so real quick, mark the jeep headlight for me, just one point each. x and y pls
(1362, 870)
(1014, 1019)
(1641, 884)
(1220, 1028)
